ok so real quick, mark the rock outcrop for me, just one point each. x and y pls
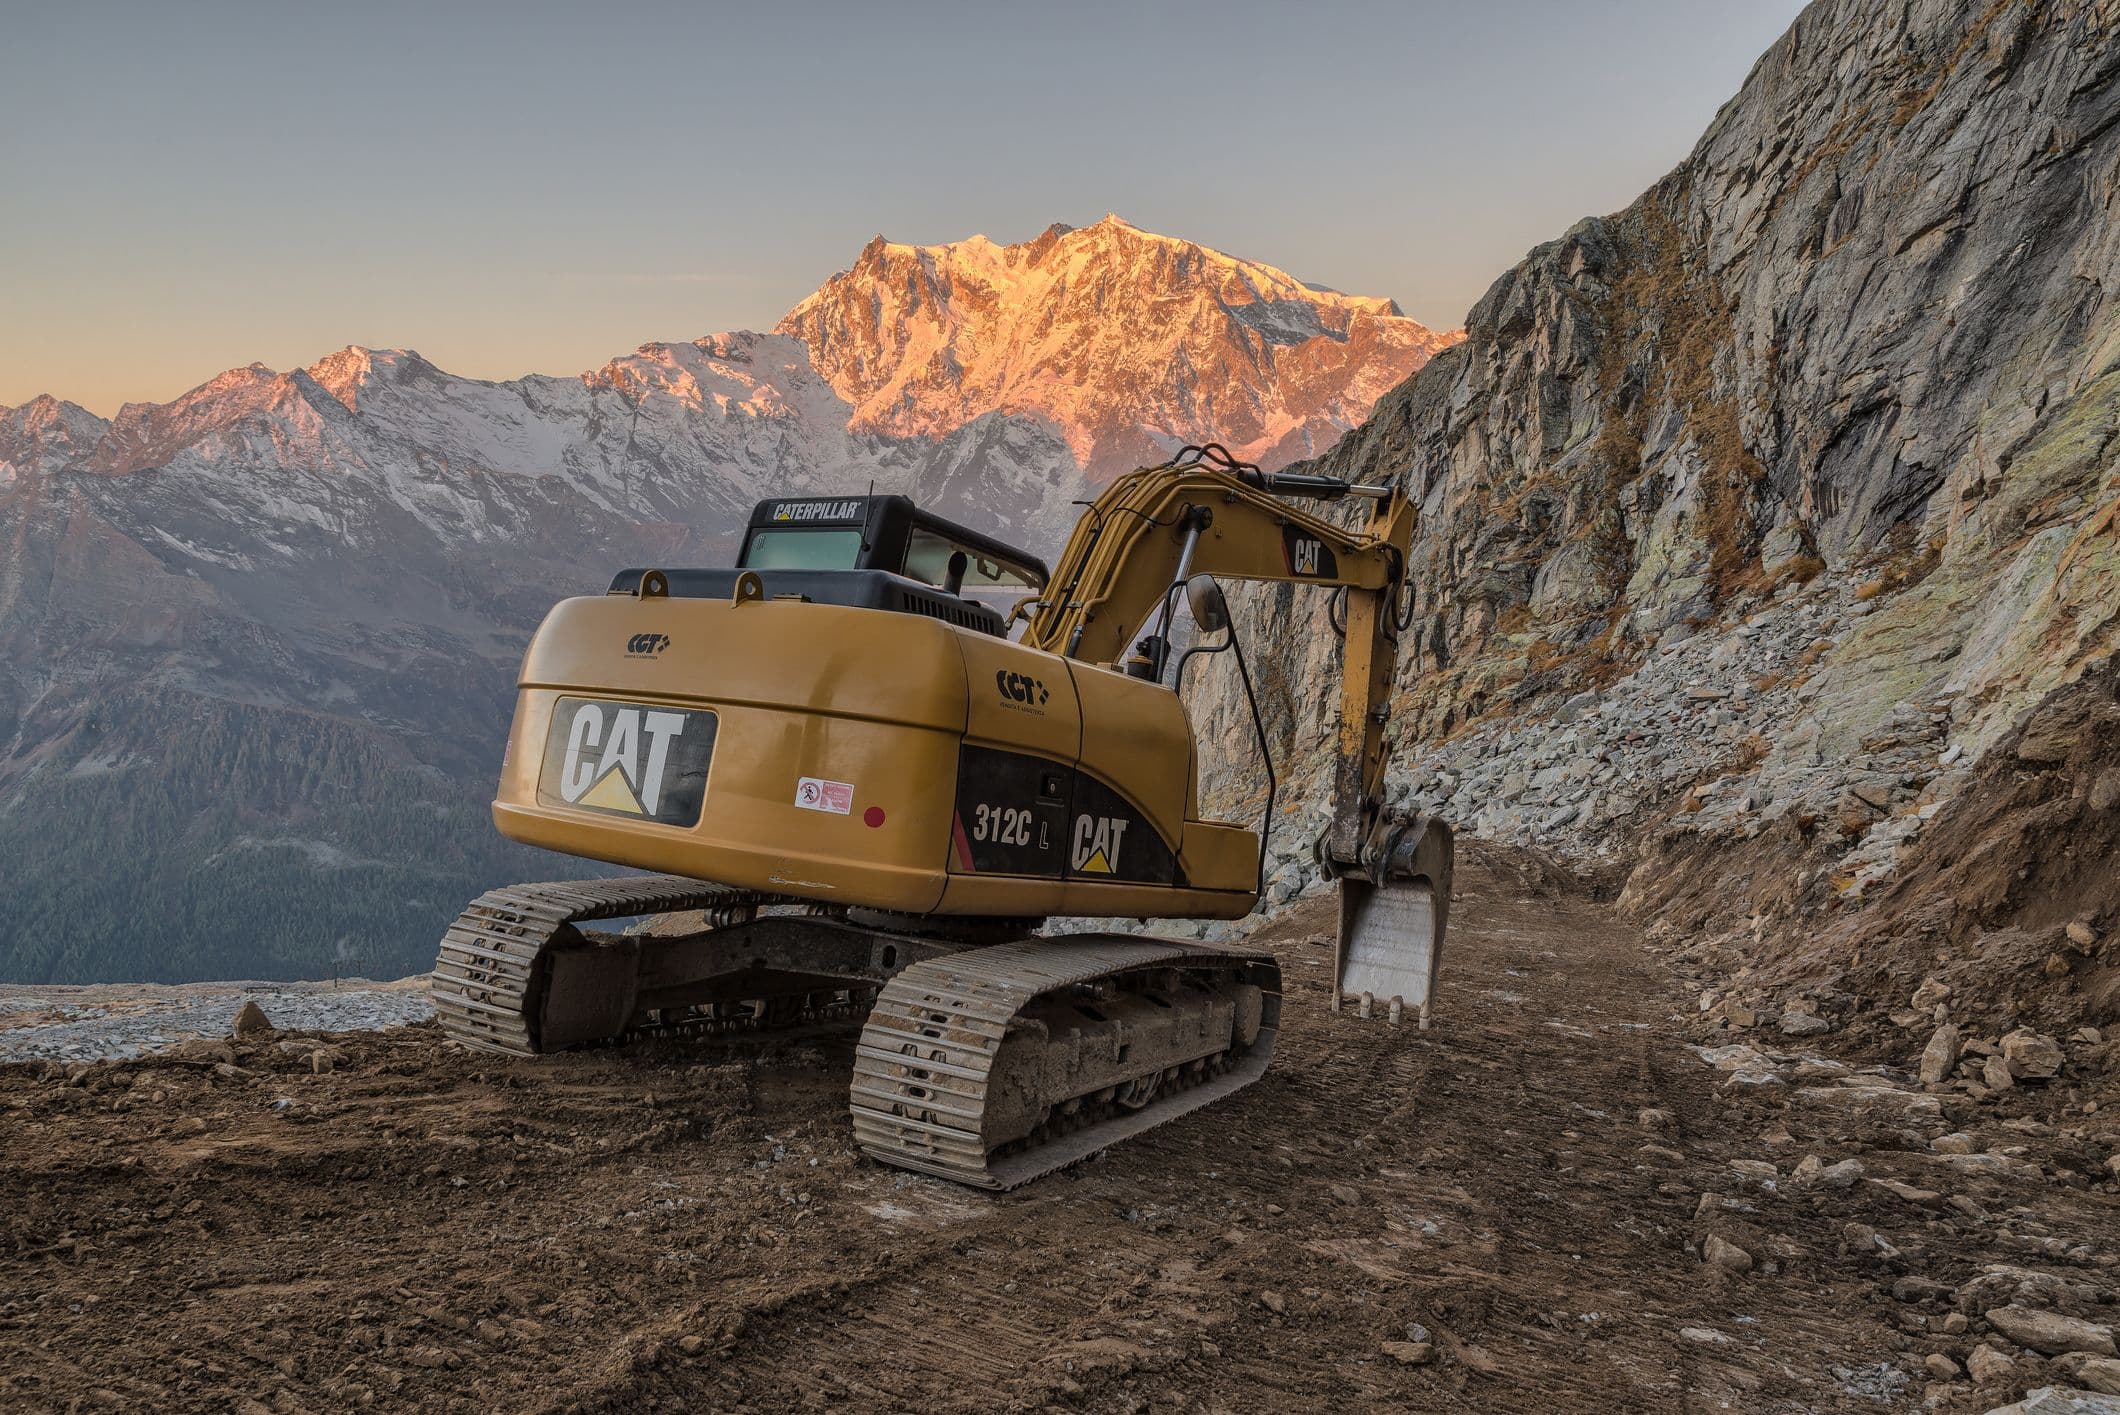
(1781, 495)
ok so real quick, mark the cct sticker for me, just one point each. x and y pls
(813, 794)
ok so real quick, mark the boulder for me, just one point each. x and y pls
(1853, 814)
(2099, 1373)
(2055, 1400)
(1940, 1055)
(2051, 1332)
(2009, 1285)
(1721, 1253)
(251, 1021)
(1736, 1057)
(2047, 738)
(1926, 1198)
(202, 1051)
(1812, 1170)
(2032, 1055)
(1987, 1366)
(1874, 1105)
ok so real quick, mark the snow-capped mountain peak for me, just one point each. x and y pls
(1127, 342)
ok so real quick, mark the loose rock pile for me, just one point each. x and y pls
(1989, 1231)
(103, 1023)
(1722, 730)
(1725, 724)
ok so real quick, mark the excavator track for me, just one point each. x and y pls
(930, 1067)
(488, 968)
(989, 1064)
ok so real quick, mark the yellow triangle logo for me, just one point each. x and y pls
(1097, 864)
(612, 794)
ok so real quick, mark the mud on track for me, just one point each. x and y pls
(421, 1229)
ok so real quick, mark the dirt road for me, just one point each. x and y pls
(1474, 1217)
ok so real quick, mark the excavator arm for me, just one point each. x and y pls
(1153, 527)
(1118, 580)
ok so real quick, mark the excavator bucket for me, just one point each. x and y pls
(1391, 927)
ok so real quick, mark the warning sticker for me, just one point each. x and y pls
(835, 796)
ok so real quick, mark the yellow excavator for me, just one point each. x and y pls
(861, 797)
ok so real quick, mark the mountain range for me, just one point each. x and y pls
(257, 643)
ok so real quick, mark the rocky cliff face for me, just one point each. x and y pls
(1127, 343)
(1778, 496)
(257, 644)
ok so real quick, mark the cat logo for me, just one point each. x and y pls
(646, 645)
(605, 765)
(1307, 556)
(1097, 840)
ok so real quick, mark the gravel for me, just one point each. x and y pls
(115, 1021)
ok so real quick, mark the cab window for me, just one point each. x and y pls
(927, 558)
(809, 548)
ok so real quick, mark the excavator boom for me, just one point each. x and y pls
(1205, 513)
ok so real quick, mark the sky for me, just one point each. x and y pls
(532, 187)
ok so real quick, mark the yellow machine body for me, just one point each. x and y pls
(861, 757)
(858, 797)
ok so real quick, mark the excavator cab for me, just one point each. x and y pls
(887, 533)
(865, 552)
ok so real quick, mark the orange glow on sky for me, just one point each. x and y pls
(517, 191)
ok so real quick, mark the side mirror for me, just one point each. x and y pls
(1209, 609)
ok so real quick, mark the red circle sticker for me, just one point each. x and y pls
(873, 816)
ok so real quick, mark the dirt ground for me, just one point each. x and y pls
(1476, 1217)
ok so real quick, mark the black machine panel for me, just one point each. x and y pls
(1011, 813)
(1108, 839)
(1023, 815)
